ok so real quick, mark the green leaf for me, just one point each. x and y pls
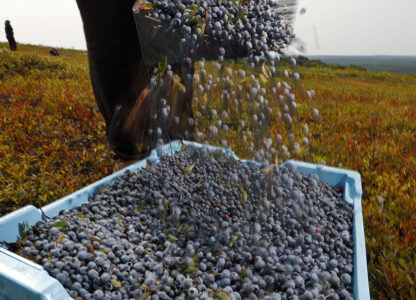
(60, 238)
(263, 79)
(185, 230)
(192, 7)
(102, 251)
(147, 294)
(267, 170)
(22, 229)
(60, 224)
(233, 240)
(203, 29)
(204, 25)
(265, 70)
(138, 209)
(36, 230)
(190, 270)
(116, 283)
(240, 15)
(200, 23)
(183, 148)
(244, 80)
(195, 258)
(190, 11)
(144, 286)
(81, 216)
(177, 83)
(244, 197)
(189, 168)
(221, 295)
(162, 66)
(172, 237)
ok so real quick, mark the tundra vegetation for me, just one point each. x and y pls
(53, 143)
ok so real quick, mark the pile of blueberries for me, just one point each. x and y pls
(257, 26)
(201, 225)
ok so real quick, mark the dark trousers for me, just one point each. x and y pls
(118, 74)
(12, 42)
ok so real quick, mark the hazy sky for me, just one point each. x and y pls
(343, 27)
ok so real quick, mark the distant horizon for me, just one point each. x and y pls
(302, 54)
(391, 63)
(363, 55)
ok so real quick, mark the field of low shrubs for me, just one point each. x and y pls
(52, 143)
(52, 136)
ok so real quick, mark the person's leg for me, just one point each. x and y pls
(118, 73)
(12, 43)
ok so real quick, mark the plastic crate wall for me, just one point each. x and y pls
(23, 279)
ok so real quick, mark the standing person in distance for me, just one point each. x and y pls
(10, 35)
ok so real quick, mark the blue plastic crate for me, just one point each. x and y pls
(23, 279)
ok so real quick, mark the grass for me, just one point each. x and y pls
(52, 142)
(48, 147)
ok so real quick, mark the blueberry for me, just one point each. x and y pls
(346, 279)
(334, 280)
(98, 294)
(299, 282)
(53, 232)
(105, 278)
(116, 295)
(83, 255)
(93, 274)
(187, 283)
(307, 295)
